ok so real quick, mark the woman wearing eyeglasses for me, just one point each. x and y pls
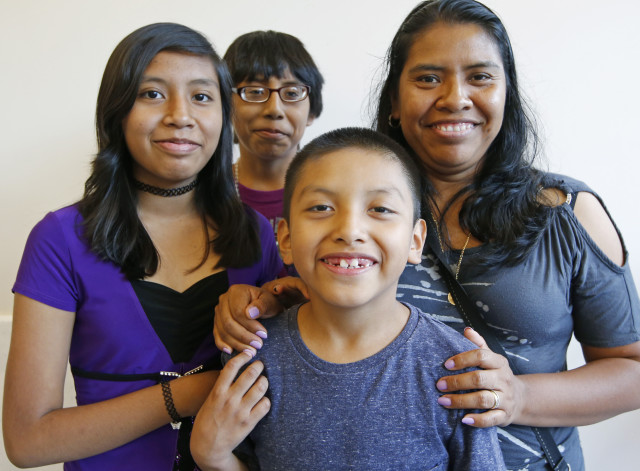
(278, 93)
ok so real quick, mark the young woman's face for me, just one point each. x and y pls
(174, 125)
(451, 97)
(273, 129)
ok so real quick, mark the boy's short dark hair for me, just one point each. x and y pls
(262, 54)
(359, 138)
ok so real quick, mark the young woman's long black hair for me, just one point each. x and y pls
(501, 206)
(111, 224)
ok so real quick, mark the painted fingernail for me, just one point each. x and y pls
(441, 385)
(253, 312)
(468, 421)
(444, 401)
(262, 334)
(249, 352)
(449, 364)
(255, 344)
(227, 350)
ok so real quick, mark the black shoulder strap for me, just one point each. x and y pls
(473, 319)
(212, 364)
(114, 376)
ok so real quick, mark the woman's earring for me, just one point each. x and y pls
(393, 123)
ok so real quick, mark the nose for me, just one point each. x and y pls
(179, 113)
(454, 97)
(350, 227)
(274, 107)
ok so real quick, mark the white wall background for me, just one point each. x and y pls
(577, 59)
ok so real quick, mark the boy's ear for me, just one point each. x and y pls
(284, 242)
(417, 241)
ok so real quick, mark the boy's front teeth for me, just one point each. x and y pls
(352, 263)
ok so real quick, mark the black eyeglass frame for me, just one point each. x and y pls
(240, 93)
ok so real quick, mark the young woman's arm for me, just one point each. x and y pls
(38, 431)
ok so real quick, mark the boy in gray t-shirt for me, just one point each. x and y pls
(352, 372)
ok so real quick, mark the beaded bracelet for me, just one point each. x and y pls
(168, 403)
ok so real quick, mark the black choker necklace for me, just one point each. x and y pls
(154, 190)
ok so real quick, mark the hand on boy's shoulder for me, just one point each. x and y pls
(289, 290)
(276, 326)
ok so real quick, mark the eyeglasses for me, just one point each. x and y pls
(288, 94)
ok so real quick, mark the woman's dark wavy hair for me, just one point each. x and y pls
(111, 224)
(262, 54)
(501, 207)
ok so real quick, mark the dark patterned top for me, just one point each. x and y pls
(566, 286)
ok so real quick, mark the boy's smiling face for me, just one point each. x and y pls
(351, 228)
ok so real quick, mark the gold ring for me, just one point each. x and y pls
(496, 399)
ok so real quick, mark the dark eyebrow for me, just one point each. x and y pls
(265, 83)
(390, 190)
(206, 82)
(477, 65)
(425, 67)
(199, 81)
(484, 65)
(316, 189)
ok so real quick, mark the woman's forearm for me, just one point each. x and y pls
(596, 391)
(67, 434)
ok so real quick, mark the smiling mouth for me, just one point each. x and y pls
(178, 146)
(178, 141)
(453, 127)
(349, 263)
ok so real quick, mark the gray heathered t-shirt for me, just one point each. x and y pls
(379, 413)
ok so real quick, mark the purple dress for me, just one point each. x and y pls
(112, 333)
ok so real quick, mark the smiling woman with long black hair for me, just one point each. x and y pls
(537, 253)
